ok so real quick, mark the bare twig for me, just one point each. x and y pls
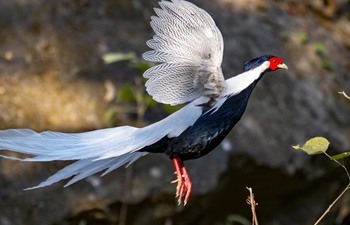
(344, 94)
(253, 204)
(331, 205)
(336, 161)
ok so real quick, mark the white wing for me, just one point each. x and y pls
(190, 47)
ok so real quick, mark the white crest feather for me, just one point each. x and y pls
(190, 47)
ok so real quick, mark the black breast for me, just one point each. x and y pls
(207, 132)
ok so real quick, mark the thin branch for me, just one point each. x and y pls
(339, 196)
(342, 165)
(331, 205)
(344, 94)
(253, 204)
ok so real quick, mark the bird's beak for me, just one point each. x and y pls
(282, 66)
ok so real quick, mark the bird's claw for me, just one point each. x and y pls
(184, 185)
(183, 190)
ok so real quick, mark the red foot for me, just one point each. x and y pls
(184, 184)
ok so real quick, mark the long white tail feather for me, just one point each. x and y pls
(86, 167)
(48, 146)
(190, 46)
(95, 151)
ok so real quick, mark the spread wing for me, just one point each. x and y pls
(189, 47)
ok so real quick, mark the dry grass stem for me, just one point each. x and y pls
(253, 204)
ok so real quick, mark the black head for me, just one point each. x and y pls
(275, 63)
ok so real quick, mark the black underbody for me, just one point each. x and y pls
(211, 127)
(207, 132)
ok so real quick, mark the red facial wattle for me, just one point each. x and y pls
(275, 62)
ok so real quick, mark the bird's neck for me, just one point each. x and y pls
(248, 79)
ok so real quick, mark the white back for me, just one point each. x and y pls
(240, 82)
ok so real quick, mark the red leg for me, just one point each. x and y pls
(179, 179)
(188, 184)
(184, 185)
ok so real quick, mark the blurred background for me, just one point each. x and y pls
(74, 66)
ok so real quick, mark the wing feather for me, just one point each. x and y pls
(190, 47)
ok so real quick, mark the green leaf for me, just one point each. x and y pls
(327, 64)
(150, 100)
(125, 94)
(110, 117)
(319, 48)
(141, 65)
(341, 156)
(316, 145)
(297, 147)
(303, 37)
(118, 56)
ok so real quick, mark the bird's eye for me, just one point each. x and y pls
(274, 61)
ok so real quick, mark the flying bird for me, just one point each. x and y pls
(188, 47)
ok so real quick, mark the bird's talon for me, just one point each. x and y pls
(174, 181)
(184, 185)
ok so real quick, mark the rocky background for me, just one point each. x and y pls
(52, 77)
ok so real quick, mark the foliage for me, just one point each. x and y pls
(319, 145)
(303, 37)
(118, 56)
(327, 64)
(319, 48)
(133, 94)
(110, 116)
(316, 145)
(344, 154)
(341, 156)
(134, 61)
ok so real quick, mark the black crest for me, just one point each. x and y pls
(256, 62)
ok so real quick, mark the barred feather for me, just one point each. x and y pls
(190, 46)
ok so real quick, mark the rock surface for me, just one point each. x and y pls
(52, 77)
